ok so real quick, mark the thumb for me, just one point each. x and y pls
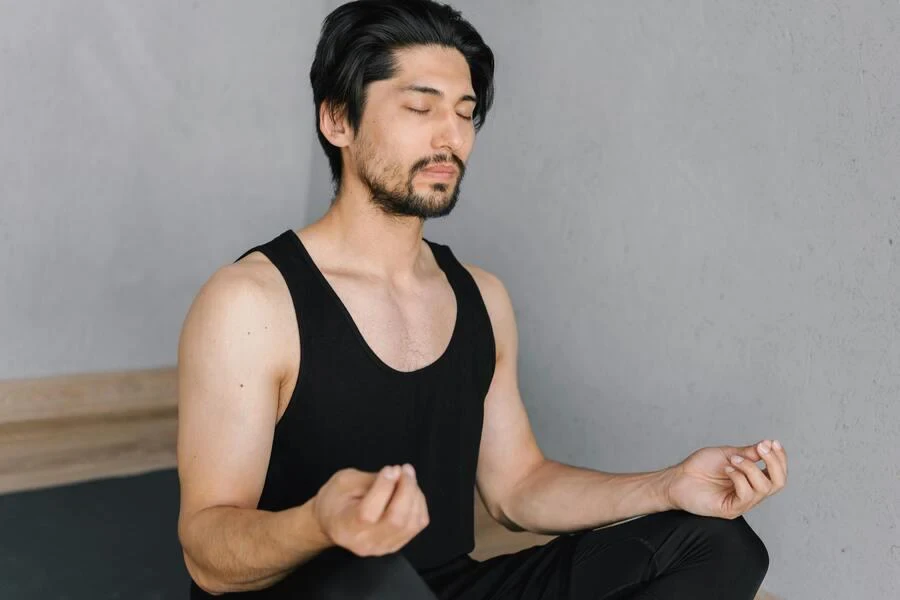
(750, 452)
(358, 482)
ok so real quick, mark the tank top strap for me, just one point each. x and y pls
(306, 295)
(282, 253)
(476, 318)
(455, 271)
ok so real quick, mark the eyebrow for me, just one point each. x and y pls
(423, 89)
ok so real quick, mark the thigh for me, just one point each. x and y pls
(672, 554)
(529, 574)
(587, 564)
(608, 563)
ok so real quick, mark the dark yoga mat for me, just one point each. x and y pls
(114, 538)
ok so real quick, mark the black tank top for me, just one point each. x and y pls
(351, 409)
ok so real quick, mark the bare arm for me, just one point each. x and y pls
(521, 488)
(558, 498)
(228, 381)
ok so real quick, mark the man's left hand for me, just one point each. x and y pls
(712, 482)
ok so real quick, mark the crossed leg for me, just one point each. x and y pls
(662, 556)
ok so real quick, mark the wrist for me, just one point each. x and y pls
(316, 530)
(667, 478)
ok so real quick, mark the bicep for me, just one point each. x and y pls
(508, 450)
(227, 396)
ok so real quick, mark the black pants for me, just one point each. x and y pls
(663, 556)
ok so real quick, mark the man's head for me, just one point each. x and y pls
(400, 88)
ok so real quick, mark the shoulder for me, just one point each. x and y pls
(243, 307)
(491, 287)
(499, 306)
(493, 291)
(249, 288)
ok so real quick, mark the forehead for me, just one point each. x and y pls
(434, 66)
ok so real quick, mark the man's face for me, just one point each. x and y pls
(416, 133)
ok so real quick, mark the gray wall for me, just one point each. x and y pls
(145, 144)
(692, 205)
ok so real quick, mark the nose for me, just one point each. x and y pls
(450, 132)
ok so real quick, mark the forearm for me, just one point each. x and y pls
(558, 498)
(230, 549)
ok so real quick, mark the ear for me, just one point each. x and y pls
(334, 125)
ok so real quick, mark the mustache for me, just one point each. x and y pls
(439, 160)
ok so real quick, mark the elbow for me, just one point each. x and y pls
(499, 515)
(200, 575)
(503, 515)
(511, 525)
(510, 504)
(203, 579)
(494, 509)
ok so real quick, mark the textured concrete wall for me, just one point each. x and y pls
(145, 144)
(694, 206)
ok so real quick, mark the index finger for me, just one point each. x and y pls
(776, 461)
(372, 506)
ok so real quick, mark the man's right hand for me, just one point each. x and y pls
(371, 514)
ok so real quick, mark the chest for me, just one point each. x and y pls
(405, 327)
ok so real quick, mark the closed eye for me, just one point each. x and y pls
(425, 111)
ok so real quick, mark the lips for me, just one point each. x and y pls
(440, 170)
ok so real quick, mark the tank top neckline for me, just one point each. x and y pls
(304, 253)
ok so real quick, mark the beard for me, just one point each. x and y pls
(402, 199)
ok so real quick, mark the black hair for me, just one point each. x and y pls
(357, 45)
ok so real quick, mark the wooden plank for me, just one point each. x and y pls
(71, 428)
(55, 452)
(87, 395)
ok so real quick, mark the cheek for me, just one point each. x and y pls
(470, 141)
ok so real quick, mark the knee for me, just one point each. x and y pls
(338, 574)
(737, 545)
(378, 577)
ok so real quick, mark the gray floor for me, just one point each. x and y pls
(114, 538)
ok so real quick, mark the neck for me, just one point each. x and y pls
(385, 246)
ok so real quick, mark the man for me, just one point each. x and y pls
(344, 389)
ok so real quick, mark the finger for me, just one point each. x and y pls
(402, 504)
(781, 453)
(742, 488)
(774, 467)
(423, 518)
(756, 453)
(751, 452)
(419, 518)
(358, 483)
(416, 512)
(395, 522)
(758, 481)
(373, 504)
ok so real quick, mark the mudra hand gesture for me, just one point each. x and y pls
(725, 481)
